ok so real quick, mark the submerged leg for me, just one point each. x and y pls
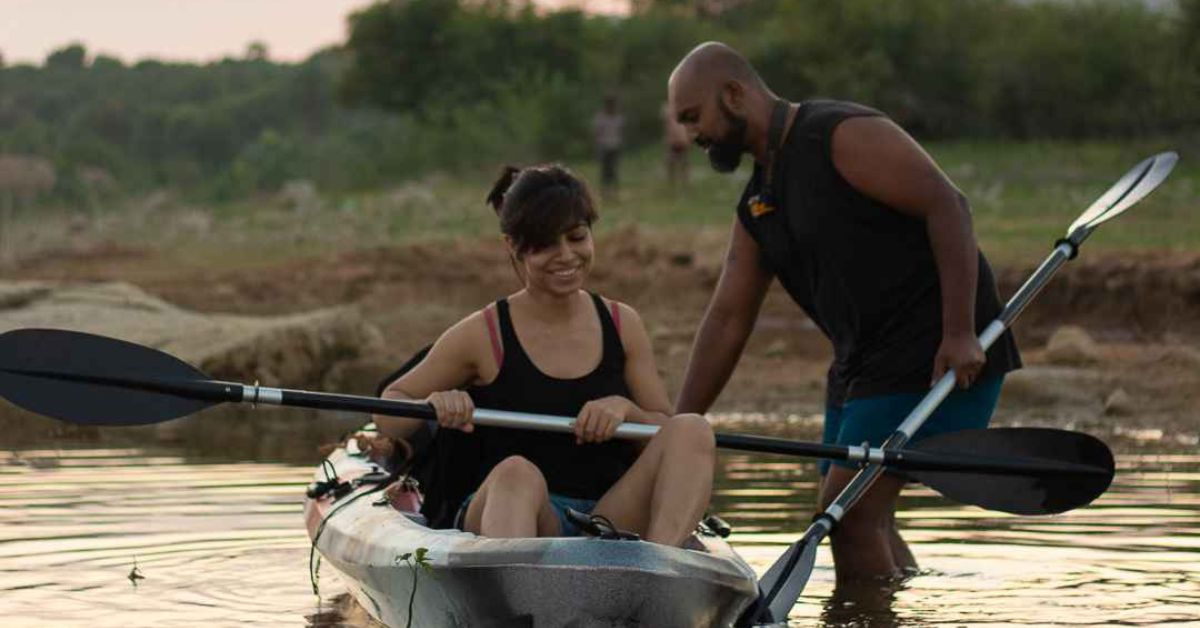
(905, 561)
(863, 541)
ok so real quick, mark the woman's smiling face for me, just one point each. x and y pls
(561, 267)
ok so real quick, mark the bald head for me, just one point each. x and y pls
(712, 65)
(722, 102)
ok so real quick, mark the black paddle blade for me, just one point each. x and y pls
(63, 358)
(1034, 494)
(794, 568)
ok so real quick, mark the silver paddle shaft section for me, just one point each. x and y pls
(1016, 305)
(917, 417)
(549, 423)
(784, 581)
(493, 418)
(1140, 181)
(629, 431)
(262, 395)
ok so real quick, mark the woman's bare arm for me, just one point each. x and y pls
(646, 387)
(452, 363)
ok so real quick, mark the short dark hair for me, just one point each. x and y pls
(537, 204)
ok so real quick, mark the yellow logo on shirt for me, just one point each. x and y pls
(759, 206)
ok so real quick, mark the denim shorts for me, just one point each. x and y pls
(873, 419)
(560, 503)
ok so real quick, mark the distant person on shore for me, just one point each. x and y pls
(675, 137)
(872, 240)
(608, 129)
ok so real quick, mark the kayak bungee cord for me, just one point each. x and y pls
(314, 558)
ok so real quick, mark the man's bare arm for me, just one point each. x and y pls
(726, 324)
(883, 162)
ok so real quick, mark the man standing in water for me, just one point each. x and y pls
(875, 244)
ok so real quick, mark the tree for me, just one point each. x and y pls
(401, 53)
(1190, 28)
(430, 54)
(106, 62)
(72, 57)
(257, 51)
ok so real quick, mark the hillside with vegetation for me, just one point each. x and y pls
(427, 86)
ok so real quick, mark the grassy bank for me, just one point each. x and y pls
(1023, 196)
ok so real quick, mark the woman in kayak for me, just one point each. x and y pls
(554, 348)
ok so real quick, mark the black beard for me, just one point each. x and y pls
(725, 155)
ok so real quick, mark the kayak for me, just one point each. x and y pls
(373, 535)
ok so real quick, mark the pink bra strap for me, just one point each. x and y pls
(497, 350)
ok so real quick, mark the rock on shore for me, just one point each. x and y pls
(311, 349)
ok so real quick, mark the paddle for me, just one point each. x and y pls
(83, 378)
(780, 587)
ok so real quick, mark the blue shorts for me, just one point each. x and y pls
(873, 419)
(560, 503)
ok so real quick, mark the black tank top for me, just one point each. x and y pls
(862, 271)
(585, 471)
(456, 463)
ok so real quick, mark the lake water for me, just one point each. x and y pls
(220, 542)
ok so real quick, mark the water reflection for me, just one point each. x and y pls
(220, 540)
(862, 605)
(264, 434)
(340, 611)
(1132, 558)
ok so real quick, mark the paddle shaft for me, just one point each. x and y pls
(1065, 250)
(913, 422)
(1130, 189)
(785, 579)
(916, 418)
(1114, 201)
(233, 392)
(825, 522)
(858, 485)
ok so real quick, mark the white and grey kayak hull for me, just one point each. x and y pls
(539, 583)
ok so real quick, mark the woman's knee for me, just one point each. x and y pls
(517, 473)
(692, 431)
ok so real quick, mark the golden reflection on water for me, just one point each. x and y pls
(1131, 558)
(222, 543)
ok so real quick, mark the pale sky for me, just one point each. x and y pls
(192, 30)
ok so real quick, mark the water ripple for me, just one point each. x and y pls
(223, 545)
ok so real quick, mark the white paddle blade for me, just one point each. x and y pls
(1139, 182)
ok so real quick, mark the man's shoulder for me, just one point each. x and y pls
(816, 120)
(824, 105)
